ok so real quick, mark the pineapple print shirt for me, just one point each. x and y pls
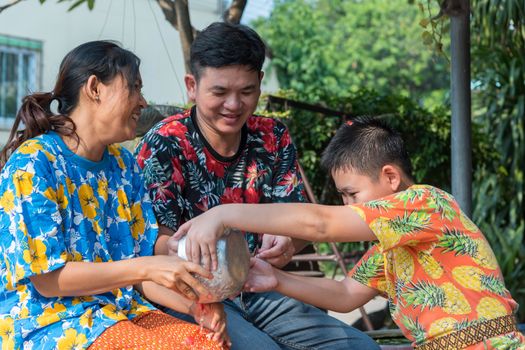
(432, 263)
(56, 207)
(186, 176)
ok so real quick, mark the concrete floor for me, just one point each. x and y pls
(375, 304)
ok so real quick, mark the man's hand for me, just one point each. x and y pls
(212, 317)
(261, 277)
(276, 250)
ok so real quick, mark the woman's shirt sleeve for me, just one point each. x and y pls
(32, 232)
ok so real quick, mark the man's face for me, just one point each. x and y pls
(225, 97)
(356, 188)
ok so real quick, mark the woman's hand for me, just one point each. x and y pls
(175, 273)
(212, 317)
(202, 233)
(261, 277)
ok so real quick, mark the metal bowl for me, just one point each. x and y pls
(233, 263)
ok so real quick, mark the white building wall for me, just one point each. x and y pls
(139, 25)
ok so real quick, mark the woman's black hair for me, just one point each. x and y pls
(103, 59)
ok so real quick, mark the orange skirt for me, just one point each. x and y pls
(154, 330)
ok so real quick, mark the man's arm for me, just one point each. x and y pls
(162, 245)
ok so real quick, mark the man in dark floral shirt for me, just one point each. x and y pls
(219, 152)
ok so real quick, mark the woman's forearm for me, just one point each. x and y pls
(165, 297)
(87, 278)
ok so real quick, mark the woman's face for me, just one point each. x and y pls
(119, 109)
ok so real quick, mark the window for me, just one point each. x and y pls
(19, 74)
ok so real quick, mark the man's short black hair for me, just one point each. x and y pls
(366, 144)
(223, 44)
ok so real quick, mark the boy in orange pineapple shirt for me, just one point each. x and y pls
(442, 280)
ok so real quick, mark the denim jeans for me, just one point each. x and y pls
(267, 321)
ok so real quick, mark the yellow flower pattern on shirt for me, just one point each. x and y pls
(72, 340)
(36, 256)
(123, 209)
(55, 208)
(88, 201)
(7, 201)
(23, 182)
(51, 314)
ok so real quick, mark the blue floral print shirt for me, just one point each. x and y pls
(57, 207)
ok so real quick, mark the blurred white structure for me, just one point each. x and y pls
(34, 38)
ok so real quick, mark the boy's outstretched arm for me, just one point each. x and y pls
(340, 296)
(312, 222)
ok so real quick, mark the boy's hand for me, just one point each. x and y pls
(212, 317)
(202, 233)
(276, 250)
(261, 277)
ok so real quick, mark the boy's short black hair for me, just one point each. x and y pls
(366, 144)
(224, 44)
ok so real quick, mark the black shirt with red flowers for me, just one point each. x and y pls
(186, 176)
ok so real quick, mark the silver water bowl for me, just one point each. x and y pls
(233, 263)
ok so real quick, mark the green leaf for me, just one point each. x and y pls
(76, 4)
(427, 38)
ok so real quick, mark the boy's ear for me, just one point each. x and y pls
(392, 176)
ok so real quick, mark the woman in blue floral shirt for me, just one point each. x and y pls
(77, 230)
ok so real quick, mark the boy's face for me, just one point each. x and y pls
(358, 188)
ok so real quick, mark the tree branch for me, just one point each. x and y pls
(5, 7)
(234, 13)
(452, 8)
(185, 30)
(170, 13)
(177, 14)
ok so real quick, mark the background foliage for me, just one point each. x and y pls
(498, 64)
(328, 48)
(369, 57)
